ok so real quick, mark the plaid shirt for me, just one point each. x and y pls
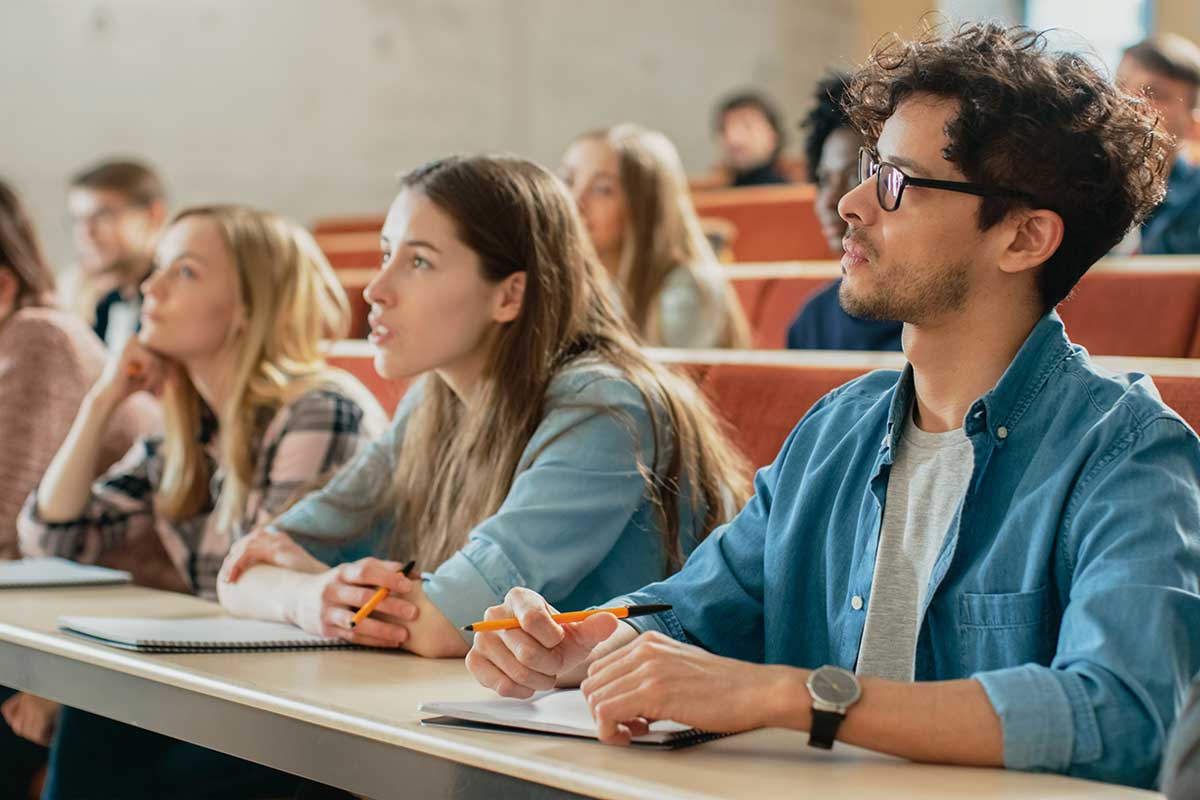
(301, 443)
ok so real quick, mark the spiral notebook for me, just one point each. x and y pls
(194, 634)
(556, 713)
(32, 573)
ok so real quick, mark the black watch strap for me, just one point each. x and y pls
(824, 728)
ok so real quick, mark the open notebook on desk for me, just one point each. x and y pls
(30, 573)
(558, 713)
(194, 634)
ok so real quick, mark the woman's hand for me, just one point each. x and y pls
(135, 368)
(266, 547)
(326, 603)
(31, 717)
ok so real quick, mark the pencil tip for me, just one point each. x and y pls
(468, 627)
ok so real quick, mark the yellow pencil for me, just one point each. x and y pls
(621, 612)
(377, 598)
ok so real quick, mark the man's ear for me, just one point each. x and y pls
(1036, 235)
(510, 298)
(158, 214)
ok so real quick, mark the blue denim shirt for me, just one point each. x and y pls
(577, 525)
(1173, 228)
(1067, 583)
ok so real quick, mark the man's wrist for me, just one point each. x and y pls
(785, 698)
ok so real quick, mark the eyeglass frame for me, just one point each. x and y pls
(963, 187)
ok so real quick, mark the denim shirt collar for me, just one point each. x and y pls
(999, 411)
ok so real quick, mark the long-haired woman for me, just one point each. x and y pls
(633, 196)
(48, 360)
(231, 333)
(541, 448)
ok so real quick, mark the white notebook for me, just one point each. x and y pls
(31, 573)
(563, 712)
(194, 634)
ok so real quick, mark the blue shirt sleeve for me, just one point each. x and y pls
(717, 598)
(348, 518)
(1129, 636)
(577, 491)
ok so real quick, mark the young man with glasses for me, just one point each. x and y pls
(116, 210)
(989, 558)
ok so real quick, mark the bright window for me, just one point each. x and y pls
(1105, 27)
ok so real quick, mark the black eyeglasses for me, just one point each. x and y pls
(890, 181)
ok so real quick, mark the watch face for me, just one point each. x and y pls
(834, 685)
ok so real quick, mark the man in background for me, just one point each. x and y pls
(831, 151)
(1167, 69)
(116, 210)
(751, 139)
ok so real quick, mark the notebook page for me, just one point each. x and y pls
(34, 572)
(562, 711)
(216, 632)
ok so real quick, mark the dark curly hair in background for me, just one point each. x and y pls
(1042, 122)
(825, 117)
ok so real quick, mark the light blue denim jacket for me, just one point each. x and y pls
(1067, 583)
(577, 525)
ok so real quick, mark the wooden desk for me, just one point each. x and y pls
(349, 718)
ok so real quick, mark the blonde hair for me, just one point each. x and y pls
(457, 463)
(292, 301)
(663, 234)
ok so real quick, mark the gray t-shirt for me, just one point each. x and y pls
(928, 481)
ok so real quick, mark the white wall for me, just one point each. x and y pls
(310, 107)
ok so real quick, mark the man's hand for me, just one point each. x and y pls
(541, 654)
(655, 677)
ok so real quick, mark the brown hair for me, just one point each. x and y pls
(1170, 55)
(21, 252)
(457, 464)
(1046, 124)
(662, 234)
(133, 180)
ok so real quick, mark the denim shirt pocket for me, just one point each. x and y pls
(1004, 630)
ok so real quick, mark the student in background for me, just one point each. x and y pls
(752, 139)
(1167, 69)
(1181, 764)
(957, 563)
(541, 448)
(116, 210)
(48, 360)
(234, 317)
(629, 186)
(831, 151)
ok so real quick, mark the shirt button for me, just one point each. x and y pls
(856, 603)
(1002, 432)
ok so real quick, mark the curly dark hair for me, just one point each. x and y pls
(1045, 123)
(826, 116)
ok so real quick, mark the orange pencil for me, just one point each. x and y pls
(377, 598)
(621, 612)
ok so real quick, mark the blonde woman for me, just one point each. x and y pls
(632, 193)
(542, 447)
(234, 316)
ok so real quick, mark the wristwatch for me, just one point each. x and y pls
(833, 691)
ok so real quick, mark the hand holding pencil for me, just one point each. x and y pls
(525, 645)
